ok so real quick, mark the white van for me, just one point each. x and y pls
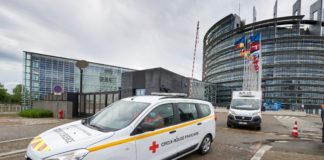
(135, 128)
(245, 109)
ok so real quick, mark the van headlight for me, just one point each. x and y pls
(72, 155)
(255, 114)
(232, 112)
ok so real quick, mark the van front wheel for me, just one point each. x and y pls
(205, 145)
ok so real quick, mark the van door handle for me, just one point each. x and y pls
(199, 123)
(174, 131)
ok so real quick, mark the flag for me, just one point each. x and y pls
(256, 54)
(245, 53)
(255, 60)
(240, 43)
(255, 38)
(256, 67)
(255, 46)
(248, 44)
(242, 53)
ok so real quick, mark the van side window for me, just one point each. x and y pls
(161, 116)
(187, 111)
(204, 110)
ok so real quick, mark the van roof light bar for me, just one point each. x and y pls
(169, 94)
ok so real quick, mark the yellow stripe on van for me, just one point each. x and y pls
(146, 135)
(46, 149)
(39, 145)
(36, 141)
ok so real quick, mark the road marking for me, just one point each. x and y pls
(285, 117)
(13, 152)
(13, 140)
(258, 155)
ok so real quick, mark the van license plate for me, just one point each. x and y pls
(244, 123)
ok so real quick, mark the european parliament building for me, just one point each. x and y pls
(292, 56)
(42, 72)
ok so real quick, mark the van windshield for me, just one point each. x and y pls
(117, 116)
(245, 104)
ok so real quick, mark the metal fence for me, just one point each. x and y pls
(88, 103)
(313, 109)
(92, 103)
(9, 108)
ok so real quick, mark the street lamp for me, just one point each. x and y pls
(81, 64)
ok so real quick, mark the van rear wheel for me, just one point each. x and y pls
(205, 145)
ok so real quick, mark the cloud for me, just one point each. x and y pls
(7, 56)
(134, 34)
(10, 73)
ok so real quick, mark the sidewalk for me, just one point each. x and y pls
(274, 113)
(18, 121)
(285, 113)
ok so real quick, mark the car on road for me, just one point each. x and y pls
(134, 128)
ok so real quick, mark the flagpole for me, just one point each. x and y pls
(260, 65)
(244, 78)
(239, 8)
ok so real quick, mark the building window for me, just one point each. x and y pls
(140, 92)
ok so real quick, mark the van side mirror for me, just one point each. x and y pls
(263, 109)
(228, 107)
(86, 120)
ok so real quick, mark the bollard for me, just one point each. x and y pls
(60, 114)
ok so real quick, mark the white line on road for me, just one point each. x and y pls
(258, 155)
(13, 140)
(12, 152)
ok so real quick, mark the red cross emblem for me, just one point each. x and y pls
(154, 147)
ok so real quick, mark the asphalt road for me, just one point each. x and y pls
(243, 143)
(15, 132)
(230, 143)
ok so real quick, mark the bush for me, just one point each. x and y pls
(36, 113)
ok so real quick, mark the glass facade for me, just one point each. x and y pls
(204, 90)
(43, 72)
(292, 60)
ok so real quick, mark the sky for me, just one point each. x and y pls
(137, 34)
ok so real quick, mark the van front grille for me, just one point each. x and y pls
(243, 118)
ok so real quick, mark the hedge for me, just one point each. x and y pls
(36, 113)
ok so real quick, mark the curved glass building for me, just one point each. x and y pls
(292, 58)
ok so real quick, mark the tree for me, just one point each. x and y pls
(16, 94)
(4, 96)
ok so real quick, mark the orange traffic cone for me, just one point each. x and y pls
(294, 132)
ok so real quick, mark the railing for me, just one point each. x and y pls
(313, 109)
(88, 104)
(9, 108)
